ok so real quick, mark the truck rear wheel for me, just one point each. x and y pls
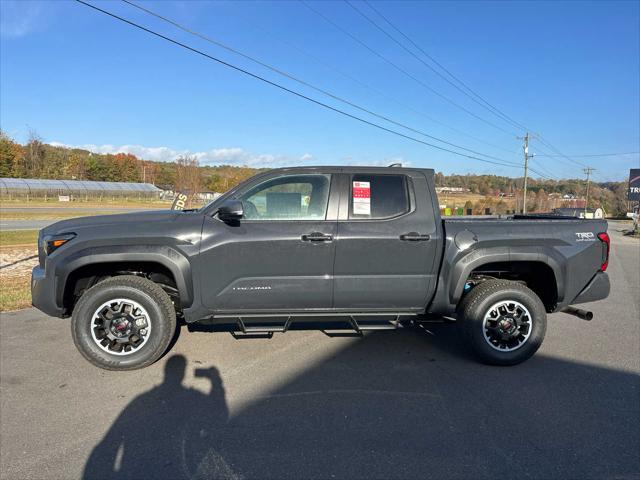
(123, 323)
(503, 322)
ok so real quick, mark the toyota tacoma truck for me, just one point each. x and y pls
(365, 247)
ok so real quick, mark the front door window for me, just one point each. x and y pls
(293, 197)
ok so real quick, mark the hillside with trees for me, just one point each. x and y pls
(37, 159)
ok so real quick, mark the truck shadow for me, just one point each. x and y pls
(403, 405)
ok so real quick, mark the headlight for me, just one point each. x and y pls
(50, 243)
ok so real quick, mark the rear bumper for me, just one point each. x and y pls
(597, 289)
(43, 292)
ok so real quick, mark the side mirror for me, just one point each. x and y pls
(231, 210)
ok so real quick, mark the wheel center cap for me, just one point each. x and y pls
(506, 324)
(120, 326)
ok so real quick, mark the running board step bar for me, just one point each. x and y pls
(263, 329)
(357, 327)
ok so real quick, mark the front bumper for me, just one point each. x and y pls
(43, 292)
(597, 289)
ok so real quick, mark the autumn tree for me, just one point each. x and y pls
(126, 166)
(188, 176)
(149, 171)
(7, 155)
(34, 154)
(77, 166)
(542, 201)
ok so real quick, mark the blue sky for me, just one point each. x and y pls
(568, 70)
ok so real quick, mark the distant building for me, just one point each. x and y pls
(48, 188)
(208, 195)
(452, 190)
(579, 212)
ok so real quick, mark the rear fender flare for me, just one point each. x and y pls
(465, 265)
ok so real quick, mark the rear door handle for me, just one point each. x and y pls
(415, 237)
(317, 237)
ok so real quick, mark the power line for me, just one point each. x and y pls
(541, 167)
(487, 105)
(303, 82)
(555, 150)
(560, 154)
(593, 155)
(411, 76)
(288, 90)
(536, 154)
(378, 91)
(402, 70)
(483, 103)
(495, 110)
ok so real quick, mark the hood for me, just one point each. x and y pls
(121, 220)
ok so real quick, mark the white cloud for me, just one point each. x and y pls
(384, 162)
(20, 18)
(216, 156)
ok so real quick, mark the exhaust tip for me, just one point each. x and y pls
(578, 312)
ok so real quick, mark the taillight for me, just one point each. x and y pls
(604, 238)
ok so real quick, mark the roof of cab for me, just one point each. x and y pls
(352, 169)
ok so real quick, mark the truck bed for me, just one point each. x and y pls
(569, 246)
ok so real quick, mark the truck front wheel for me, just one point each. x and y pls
(503, 322)
(123, 323)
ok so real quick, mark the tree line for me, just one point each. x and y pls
(36, 159)
(612, 196)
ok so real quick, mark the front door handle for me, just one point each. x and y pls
(415, 237)
(317, 237)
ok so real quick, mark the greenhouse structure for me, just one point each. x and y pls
(68, 190)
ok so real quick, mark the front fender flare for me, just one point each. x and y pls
(166, 256)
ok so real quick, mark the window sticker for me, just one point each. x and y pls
(361, 198)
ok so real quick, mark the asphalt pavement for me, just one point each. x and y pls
(8, 225)
(405, 404)
(37, 224)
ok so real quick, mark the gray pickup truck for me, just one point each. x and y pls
(363, 248)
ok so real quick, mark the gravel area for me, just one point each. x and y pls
(17, 262)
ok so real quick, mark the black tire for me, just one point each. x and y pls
(162, 318)
(477, 303)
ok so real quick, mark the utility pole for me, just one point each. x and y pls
(587, 171)
(525, 148)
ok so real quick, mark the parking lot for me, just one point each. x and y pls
(405, 404)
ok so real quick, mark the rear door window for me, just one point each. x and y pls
(378, 196)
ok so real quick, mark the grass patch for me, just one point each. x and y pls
(25, 215)
(15, 292)
(18, 237)
(22, 203)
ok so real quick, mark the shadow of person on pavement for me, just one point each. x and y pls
(408, 404)
(168, 432)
